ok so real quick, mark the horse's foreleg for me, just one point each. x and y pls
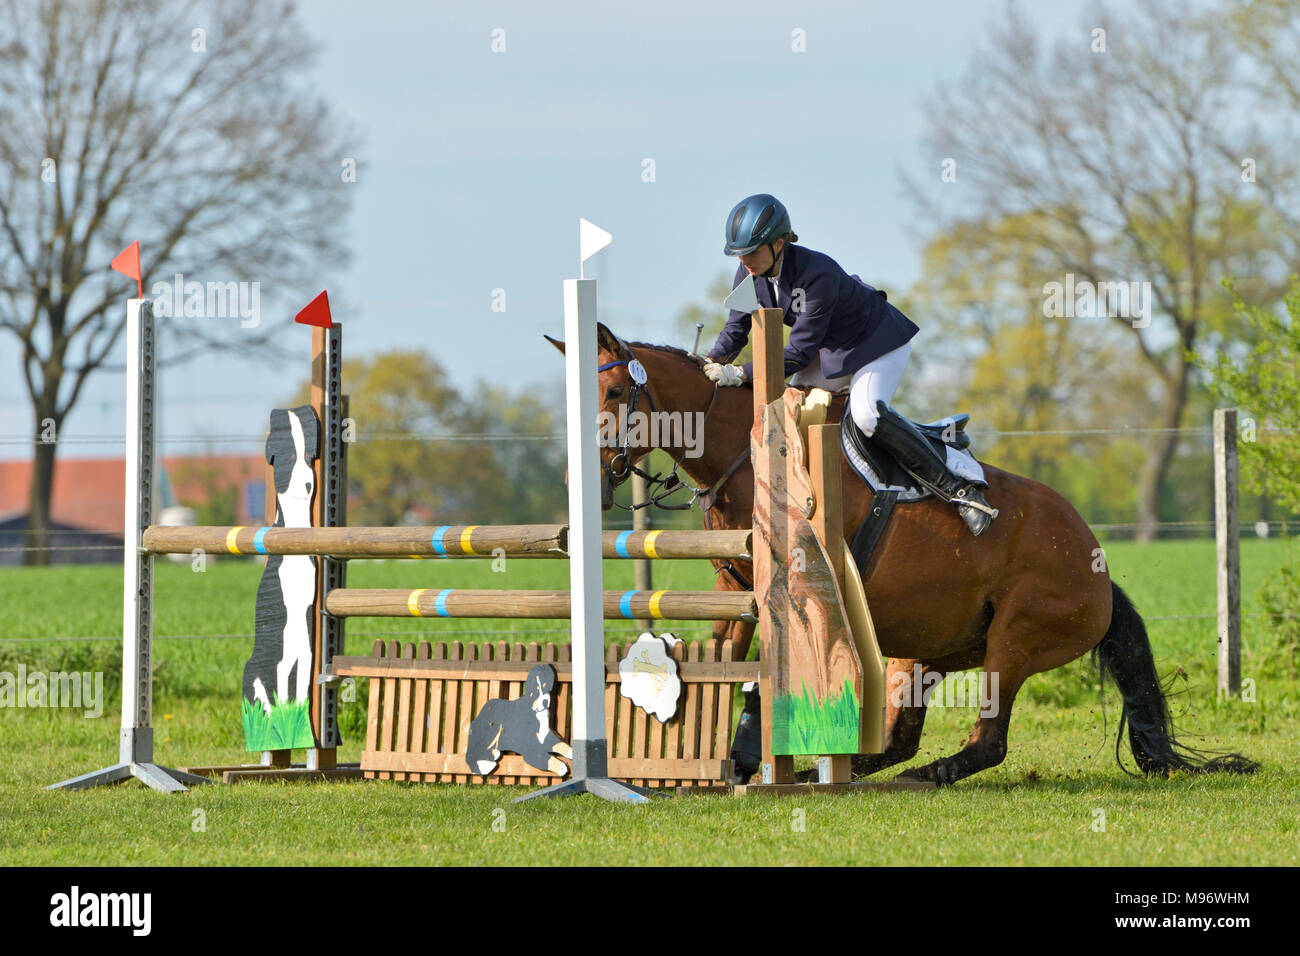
(747, 746)
(740, 633)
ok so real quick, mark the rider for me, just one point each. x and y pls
(844, 332)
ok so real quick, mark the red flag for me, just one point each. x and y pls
(128, 263)
(316, 312)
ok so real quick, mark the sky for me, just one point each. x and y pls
(650, 120)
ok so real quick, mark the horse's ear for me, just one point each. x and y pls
(607, 339)
(556, 342)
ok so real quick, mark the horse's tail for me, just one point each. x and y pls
(1124, 655)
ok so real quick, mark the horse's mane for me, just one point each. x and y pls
(670, 349)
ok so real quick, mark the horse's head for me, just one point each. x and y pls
(625, 388)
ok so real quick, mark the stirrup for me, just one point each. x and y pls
(974, 510)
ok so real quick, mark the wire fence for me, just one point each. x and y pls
(10, 538)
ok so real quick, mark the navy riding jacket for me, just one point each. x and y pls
(850, 322)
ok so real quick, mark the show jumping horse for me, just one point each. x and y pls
(1027, 596)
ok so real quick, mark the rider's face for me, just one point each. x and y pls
(761, 259)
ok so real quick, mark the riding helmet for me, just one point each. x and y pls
(755, 221)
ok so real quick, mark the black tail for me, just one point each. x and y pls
(1124, 655)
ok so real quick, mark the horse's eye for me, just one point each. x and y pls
(615, 392)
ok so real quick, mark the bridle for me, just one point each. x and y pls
(620, 467)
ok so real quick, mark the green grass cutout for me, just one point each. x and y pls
(801, 724)
(286, 727)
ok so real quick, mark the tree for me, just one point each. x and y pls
(1110, 158)
(425, 454)
(1265, 383)
(1023, 370)
(522, 480)
(183, 126)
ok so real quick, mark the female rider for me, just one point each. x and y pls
(844, 333)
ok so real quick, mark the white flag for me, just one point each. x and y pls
(591, 239)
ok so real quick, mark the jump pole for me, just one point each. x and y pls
(135, 757)
(590, 748)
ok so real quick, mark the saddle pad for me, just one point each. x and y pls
(882, 473)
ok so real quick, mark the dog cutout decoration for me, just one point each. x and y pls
(276, 706)
(521, 726)
(648, 675)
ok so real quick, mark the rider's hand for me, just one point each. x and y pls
(724, 374)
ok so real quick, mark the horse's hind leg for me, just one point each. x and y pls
(904, 718)
(905, 705)
(987, 744)
(1045, 621)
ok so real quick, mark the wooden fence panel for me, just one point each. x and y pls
(423, 698)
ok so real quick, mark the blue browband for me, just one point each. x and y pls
(609, 365)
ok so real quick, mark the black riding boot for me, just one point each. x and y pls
(915, 453)
(747, 748)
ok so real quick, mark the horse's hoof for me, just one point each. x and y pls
(740, 775)
(864, 767)
(931, 773)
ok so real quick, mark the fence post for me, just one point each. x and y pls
(1228, 550)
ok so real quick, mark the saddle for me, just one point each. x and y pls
(891, 483)
(882, 472)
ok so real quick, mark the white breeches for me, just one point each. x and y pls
(874, 382)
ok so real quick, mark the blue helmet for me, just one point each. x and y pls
(756, 221)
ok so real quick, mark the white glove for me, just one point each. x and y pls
(724, 374)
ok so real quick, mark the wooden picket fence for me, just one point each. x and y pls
(423, 698)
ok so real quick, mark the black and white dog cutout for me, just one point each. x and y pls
(277, 677)
(521, 726)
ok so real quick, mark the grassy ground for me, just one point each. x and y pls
(1058, 798)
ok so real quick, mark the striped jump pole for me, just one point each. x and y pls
(434, 542)
(447, 541)
(466, 602)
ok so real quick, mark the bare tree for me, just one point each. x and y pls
(1267, 33)
(186, 126)
(1119, 156)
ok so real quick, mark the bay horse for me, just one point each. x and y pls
(1029, 595)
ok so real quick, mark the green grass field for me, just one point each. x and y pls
(1059, 797)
